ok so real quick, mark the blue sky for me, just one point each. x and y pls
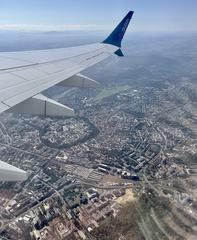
(150, 15)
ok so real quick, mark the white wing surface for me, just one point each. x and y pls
(25, 74)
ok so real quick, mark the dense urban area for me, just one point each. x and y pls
(124, 168)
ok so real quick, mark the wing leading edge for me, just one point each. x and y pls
(24, 75)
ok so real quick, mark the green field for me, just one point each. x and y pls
(107, 92)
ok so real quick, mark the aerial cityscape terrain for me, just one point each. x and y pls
(125, 166)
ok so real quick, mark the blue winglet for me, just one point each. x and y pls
(119, 53)
(115, 38)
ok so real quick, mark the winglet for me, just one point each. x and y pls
(119, 53)
(115, 38)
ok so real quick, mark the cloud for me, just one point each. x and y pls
(40, 27)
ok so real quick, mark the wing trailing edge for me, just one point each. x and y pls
(44, 106)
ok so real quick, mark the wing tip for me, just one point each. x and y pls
(115, 38)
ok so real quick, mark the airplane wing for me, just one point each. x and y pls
(24, 75)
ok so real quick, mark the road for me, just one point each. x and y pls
(5, 133)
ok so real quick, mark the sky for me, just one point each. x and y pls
(49, 15)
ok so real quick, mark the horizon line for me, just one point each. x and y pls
(76, 27)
